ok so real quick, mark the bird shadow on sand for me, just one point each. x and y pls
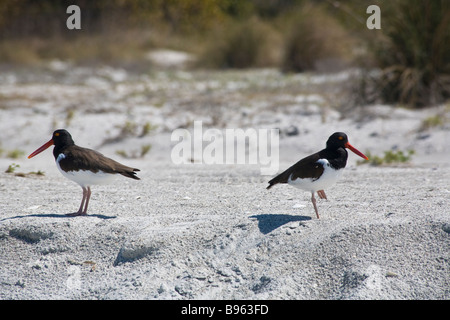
(55, 215)
(269, 222)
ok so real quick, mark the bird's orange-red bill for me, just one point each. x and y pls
(359, 153)
(42, 148)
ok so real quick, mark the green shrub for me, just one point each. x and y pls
(390, 158)
(315, 41)
(241, 44)
(413, 52)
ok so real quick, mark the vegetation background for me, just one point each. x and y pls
(410, 53)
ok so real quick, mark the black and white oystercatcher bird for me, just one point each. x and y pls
(84, 166)
(319, 170)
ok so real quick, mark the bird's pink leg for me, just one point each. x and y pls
(313, 200)
(80, 211)
(88, 196)
(322, 194)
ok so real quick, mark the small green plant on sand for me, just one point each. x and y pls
(12, 154)
(135, 154)
(147, 129)
(390, 158)
(15, 154)
(433, 122)
(12, 167)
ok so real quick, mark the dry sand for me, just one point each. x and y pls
(199, 231)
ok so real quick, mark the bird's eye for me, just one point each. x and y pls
(57, 134)
(341, 138)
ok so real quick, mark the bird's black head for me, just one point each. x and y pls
(337, 140)
(62, 137)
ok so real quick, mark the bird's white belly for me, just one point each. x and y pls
(328, 178)
(85, 178)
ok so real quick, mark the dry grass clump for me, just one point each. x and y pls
(315, 41)
(413, 52)
(241, 44)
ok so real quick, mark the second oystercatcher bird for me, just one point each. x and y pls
(319, 170)
(84, 166)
